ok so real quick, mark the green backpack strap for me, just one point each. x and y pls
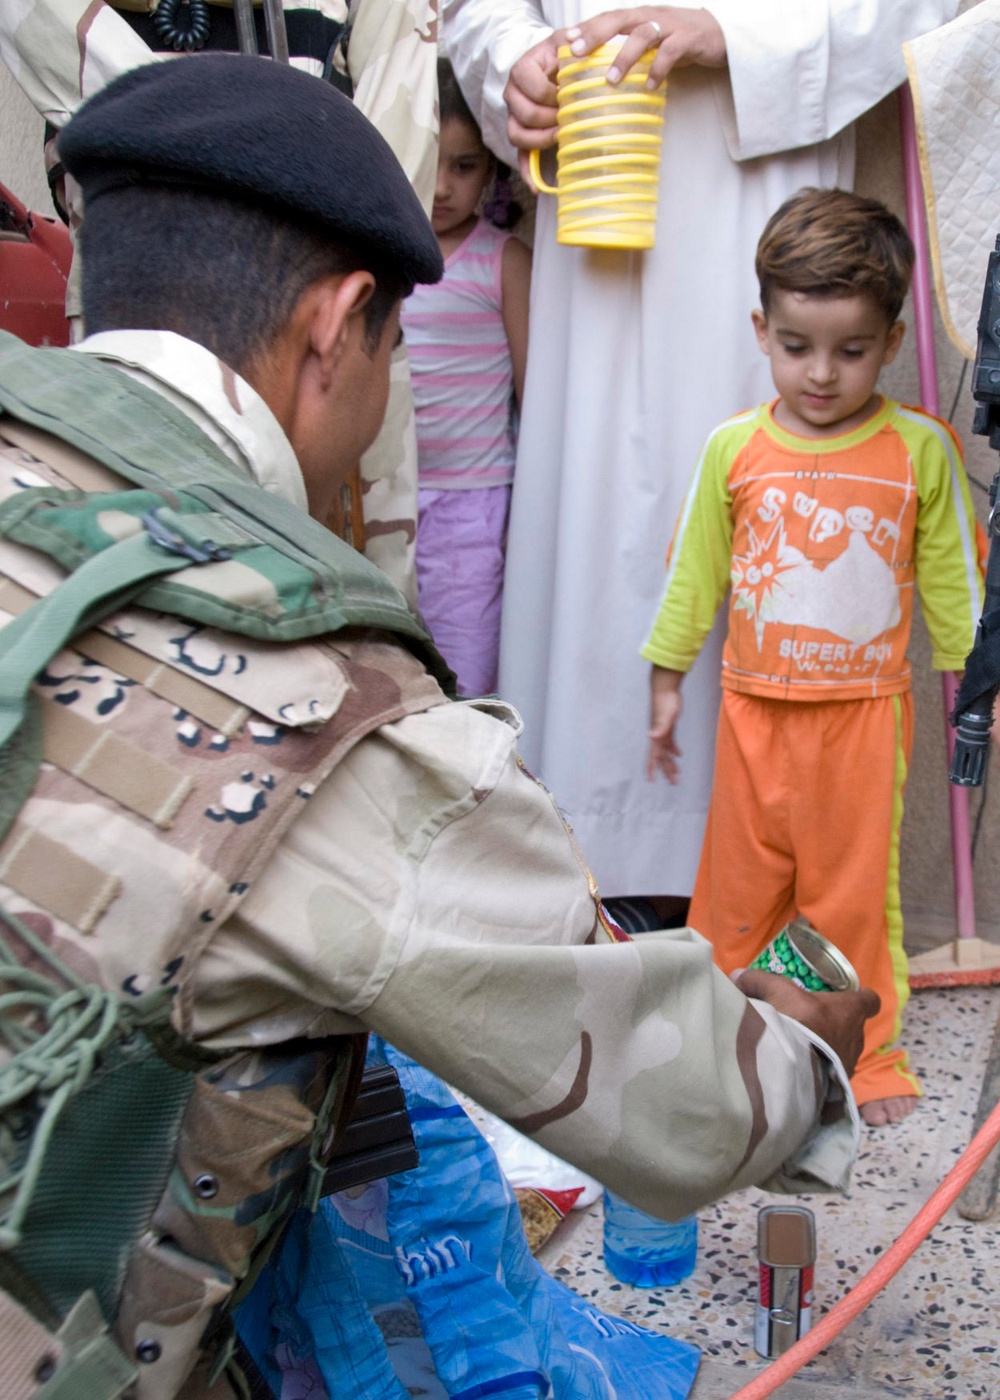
(106, 582)
(322, 585)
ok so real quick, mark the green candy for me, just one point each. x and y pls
(780, 957)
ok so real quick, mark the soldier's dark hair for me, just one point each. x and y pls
(224, 273)
(837, 244)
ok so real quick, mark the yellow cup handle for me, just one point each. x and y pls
(535, 167)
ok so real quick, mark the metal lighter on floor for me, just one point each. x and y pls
(786, 1248)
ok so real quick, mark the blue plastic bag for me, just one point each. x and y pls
(424, 1282)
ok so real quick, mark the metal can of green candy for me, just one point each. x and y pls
(808, 959)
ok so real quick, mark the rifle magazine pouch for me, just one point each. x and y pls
(169, 1302)
(243, 1151)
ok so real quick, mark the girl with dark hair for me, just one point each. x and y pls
(467, 339)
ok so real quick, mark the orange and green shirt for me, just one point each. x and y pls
(821, 541)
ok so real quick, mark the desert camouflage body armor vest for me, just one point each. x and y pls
(164, 716)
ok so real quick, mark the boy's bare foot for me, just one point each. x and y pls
(877, 1113)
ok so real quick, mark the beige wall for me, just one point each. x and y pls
(926, 854)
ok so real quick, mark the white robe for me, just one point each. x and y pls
(633, 359)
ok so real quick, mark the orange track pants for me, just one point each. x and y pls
(805, 815)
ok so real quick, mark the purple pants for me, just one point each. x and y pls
(461, 540)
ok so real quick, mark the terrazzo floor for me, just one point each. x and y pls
(933, 1332)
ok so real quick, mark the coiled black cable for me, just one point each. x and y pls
(182, 30)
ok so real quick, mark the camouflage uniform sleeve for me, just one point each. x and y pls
(484, 39)
(63, 51)
(432, 893)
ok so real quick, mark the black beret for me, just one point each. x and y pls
(264, 132)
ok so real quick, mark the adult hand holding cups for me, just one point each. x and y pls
(608, 152)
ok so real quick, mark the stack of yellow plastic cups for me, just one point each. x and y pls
(608, 152)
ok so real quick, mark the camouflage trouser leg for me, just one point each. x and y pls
(392, 58)
(73, 200)
(389, 483)
(68, 193)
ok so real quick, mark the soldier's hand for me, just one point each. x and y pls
(837, 1017)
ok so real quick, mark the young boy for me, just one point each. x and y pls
(821, 510)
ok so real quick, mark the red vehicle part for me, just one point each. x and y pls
(35, 257)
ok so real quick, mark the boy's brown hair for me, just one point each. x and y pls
(836, 244)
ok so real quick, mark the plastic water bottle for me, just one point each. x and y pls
(644, 1251)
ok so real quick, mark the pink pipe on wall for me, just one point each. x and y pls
(958, 798)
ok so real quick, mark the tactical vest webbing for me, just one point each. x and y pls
(160, 1243)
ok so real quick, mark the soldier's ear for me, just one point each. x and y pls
(337, 319)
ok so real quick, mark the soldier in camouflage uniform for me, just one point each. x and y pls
(304, 839)
(382, 51)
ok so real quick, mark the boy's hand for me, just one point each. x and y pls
(836, 1017)
(664, 712)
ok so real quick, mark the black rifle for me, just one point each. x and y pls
(378, 1140)
(274, 19)
(972, 716)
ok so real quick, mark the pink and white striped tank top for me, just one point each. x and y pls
(460, 363)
